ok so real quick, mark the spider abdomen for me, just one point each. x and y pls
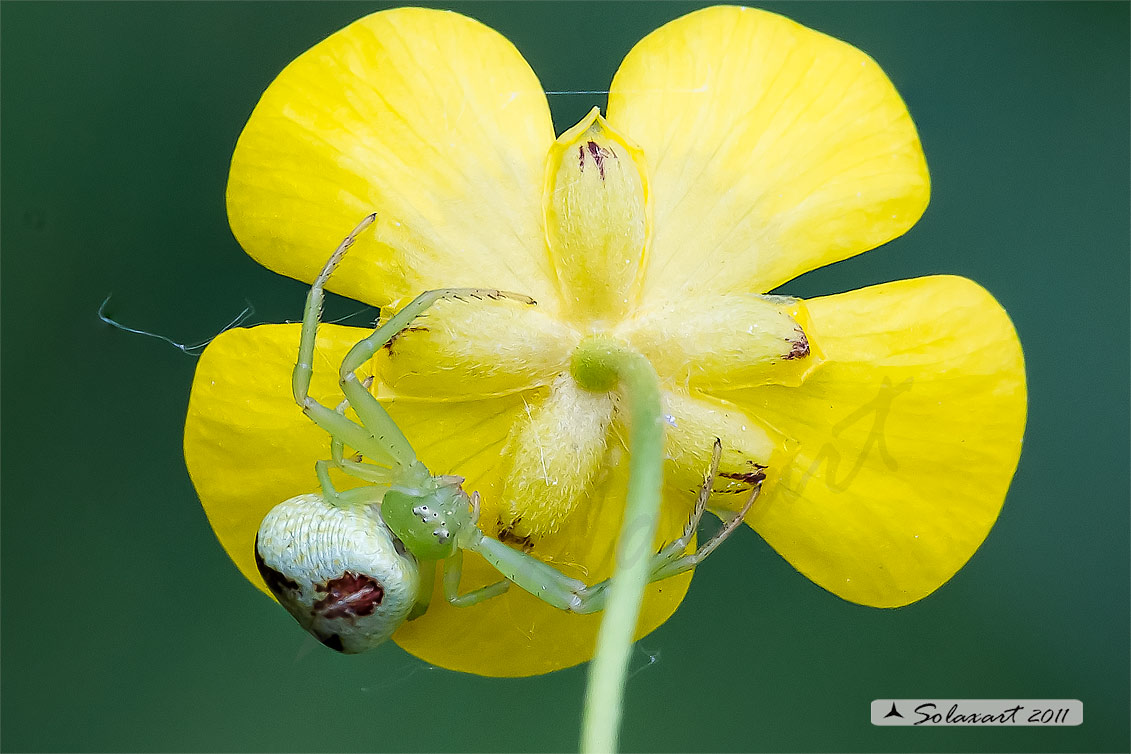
(338, 570)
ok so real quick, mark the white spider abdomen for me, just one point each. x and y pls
(338, 570)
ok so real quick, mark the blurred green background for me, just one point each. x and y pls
(124, 625)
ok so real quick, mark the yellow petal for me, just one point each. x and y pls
(249, 447)
(517, 634)
(772, 149)
(429, 119)
(469, 348)
(725, 341)
(596, 219)
(907, 437)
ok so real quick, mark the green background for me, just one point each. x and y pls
(124, 625)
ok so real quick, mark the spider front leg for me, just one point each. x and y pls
(378, 438)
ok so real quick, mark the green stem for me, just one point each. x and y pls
(607, 672)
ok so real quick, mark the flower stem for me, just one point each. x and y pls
(605, 693)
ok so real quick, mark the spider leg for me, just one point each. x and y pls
(475, 508)
(304, 368)
(345, 498)
(382, 441)
(453, 570)
(423, 589)
(378, 437)
(369, 410)
(677, 566)
(368, 348)
(337, 447)
(368, 472)
(676, 547)
(337, 450)
(555, 588)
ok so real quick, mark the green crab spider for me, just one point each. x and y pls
(352, 565)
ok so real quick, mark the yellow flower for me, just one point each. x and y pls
(740, 150)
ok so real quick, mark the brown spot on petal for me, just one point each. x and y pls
(279, 584)
(507, 536)
(389, 343)
(750, 478)
(745, 480)
(351, 594)
(598, 154)
(799, 347)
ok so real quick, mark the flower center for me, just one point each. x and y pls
(593, 363)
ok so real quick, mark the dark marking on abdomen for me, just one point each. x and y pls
(333, 641)
(351, 594)
(279, 584)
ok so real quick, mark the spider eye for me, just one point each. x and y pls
(338, 571)
(426, 528)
